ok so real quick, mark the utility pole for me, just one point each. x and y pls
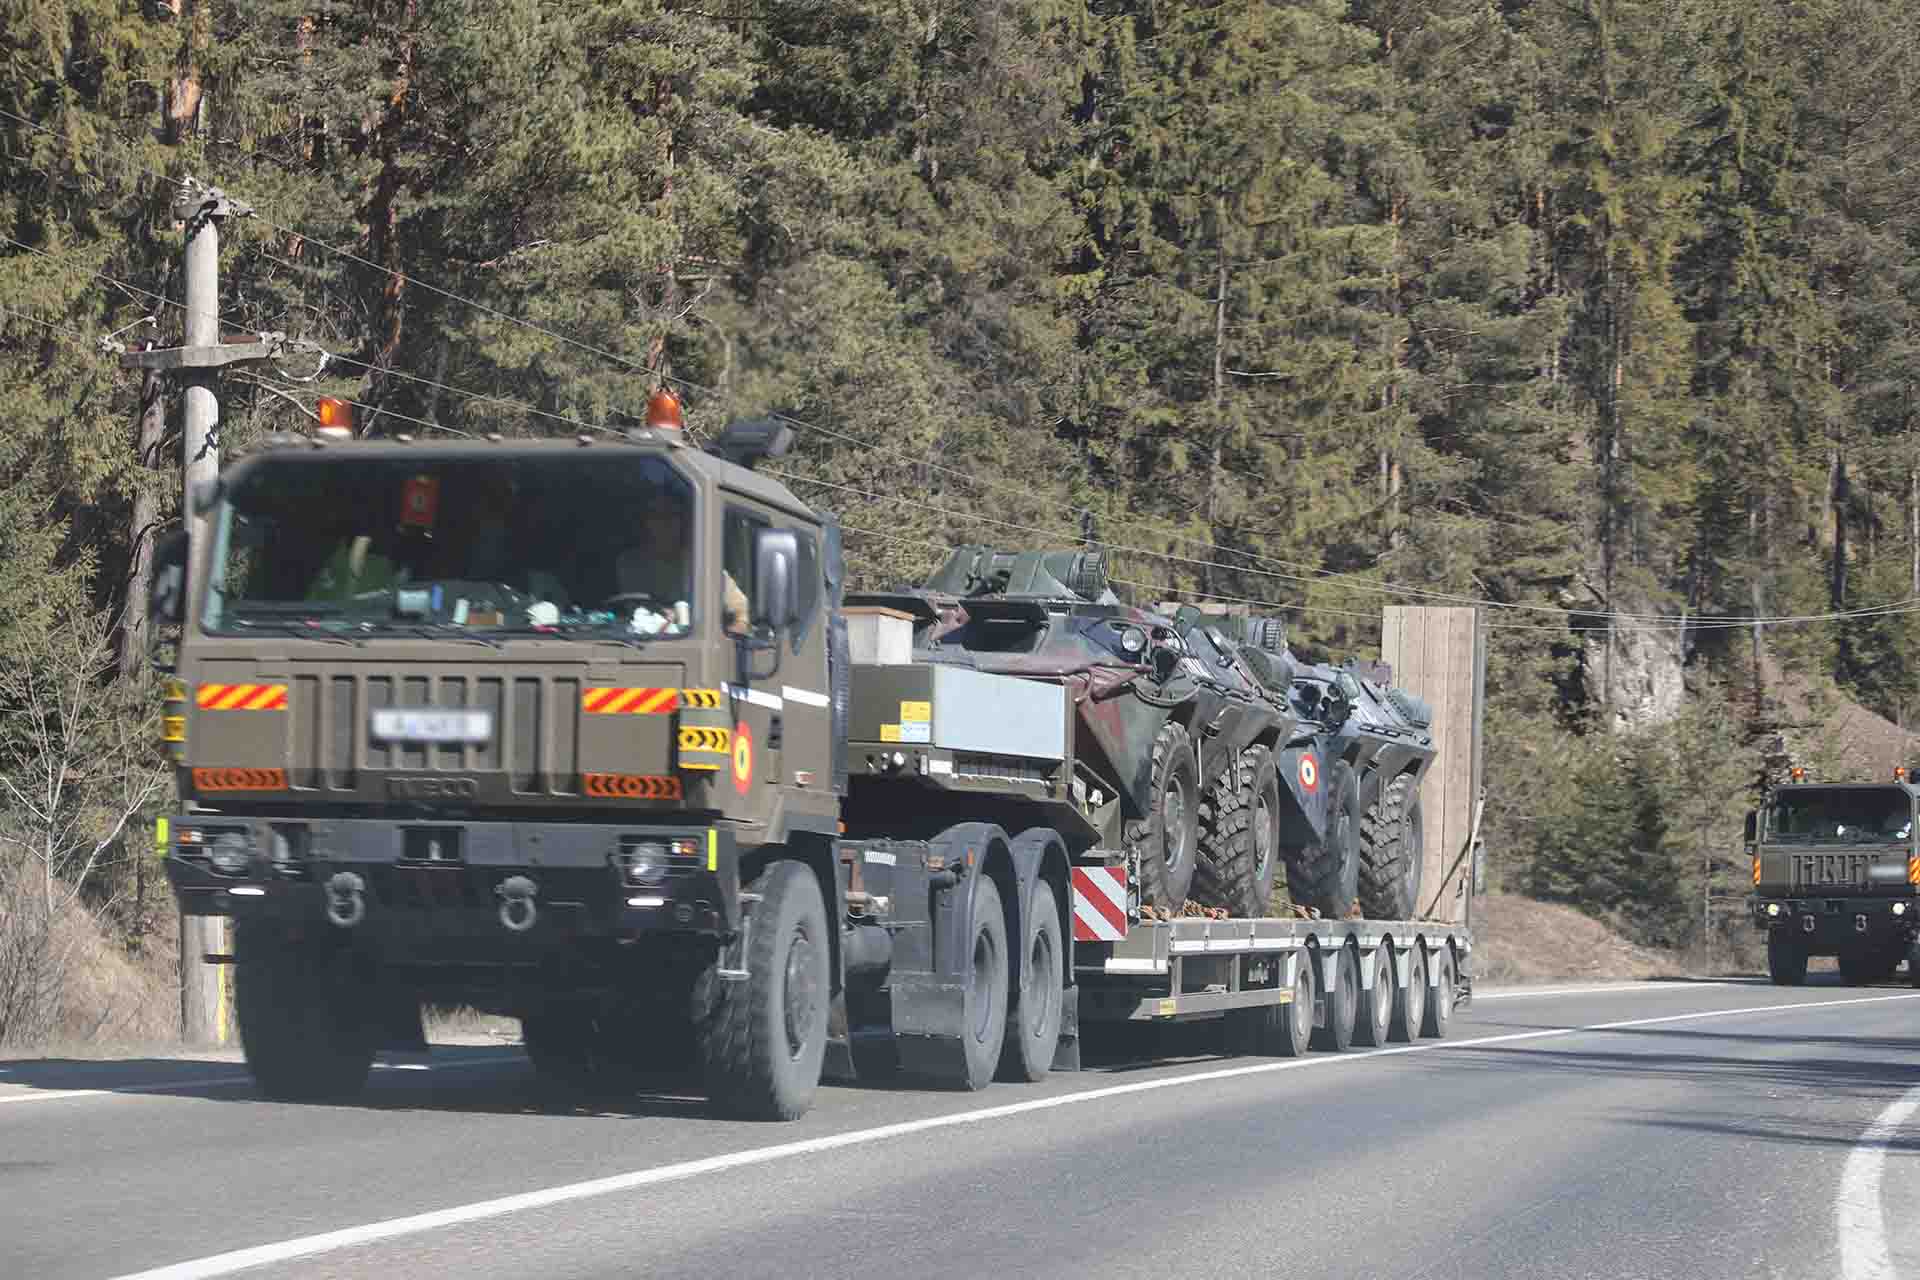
(206, 997)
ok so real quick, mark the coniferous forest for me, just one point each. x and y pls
(1604, 314)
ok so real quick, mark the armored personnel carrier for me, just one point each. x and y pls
(1178, 733)
(1371, 744)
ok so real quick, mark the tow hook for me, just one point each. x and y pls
(346, 901)
(517, 909)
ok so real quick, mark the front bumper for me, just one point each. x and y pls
(465, 886)
(1827, 925)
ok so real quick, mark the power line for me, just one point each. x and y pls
(72, 270)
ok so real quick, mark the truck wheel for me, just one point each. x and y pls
(1440, 996)
(1392, 849)
(1277, 1030)
(983, 1030)
(1913, 962)
(1240, 837)
(1375, 1014)
(301, 1025)
(1034, 1032)
(1786, 961)
(1335, 1034)
(1326, 876)
(1163, 841)
(1410, 1001)
(762, 1040)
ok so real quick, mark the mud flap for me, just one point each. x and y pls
(929, 1017)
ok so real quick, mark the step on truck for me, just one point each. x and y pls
(585, 733)
(1836, 872)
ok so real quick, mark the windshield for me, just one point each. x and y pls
(1855, 814)
(559, 543)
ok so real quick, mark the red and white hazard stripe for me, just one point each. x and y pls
(1099, 904)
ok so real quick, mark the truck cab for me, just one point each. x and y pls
(1835, 873)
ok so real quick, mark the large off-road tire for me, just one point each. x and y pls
(1392, 848)
(1341, 1003)
(762, 1040)
(983, 1032)
(304, 1025)
(1163, 842)
(1240, 836)
(1913, 962)
(1033, 1032)
(1786, 960)
(1326, 875)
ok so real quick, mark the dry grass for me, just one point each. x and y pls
(1518, 940)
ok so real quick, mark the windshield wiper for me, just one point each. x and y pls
(440, 631)
(294, 629)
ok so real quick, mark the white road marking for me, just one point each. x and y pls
(209, 1082)
(1863, 1229)
(1622, 988)
(224, 1264)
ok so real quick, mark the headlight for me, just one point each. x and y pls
(230, 853)
(644, 863)
(1899, 908)
(1133, 640)
(1773, 908)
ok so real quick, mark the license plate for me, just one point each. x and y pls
(392, 724)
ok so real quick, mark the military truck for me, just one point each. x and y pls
(583, 732)
(1836, 872)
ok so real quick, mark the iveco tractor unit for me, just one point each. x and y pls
(584, 732)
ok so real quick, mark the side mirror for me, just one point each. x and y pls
(1753, 826)
(167, 589)
(774, 553)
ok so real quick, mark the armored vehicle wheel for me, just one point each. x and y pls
(1439, 996)
(762, 1039)
(1163, 841)
(1326, 876)
(1033, 1033)
(1277, 1030)
(1335, 1034)
(1392, 849)
(1375, 1014)
(1240, 836)
(302, 1024)
(1786, 961)
(1410, 1001)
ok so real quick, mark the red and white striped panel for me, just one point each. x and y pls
(1099, 904)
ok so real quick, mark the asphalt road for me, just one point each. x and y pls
(1673, 1130)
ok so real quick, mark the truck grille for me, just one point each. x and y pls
(534, 740)
(1816, 870)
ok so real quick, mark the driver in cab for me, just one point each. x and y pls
(655, 577)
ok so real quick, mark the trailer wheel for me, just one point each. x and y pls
(302, 1026)
(1326, 875)
(1240, 836)
(1375, 1015)
(1338, 1005)
(983, 1030)
(762, 1040)
(1439, 1014)
(1410, 1001)
(1035, 1031)
(1786, 961)
(1164, 840)
(1277, 1030)
(1392, 848)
